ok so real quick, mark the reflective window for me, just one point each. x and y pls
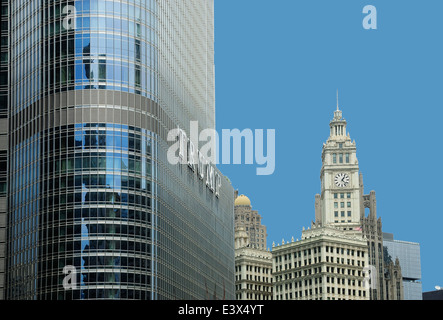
(98, 199)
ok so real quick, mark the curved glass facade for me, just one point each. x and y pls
(105, 45)
(98, 212)
(95, 87)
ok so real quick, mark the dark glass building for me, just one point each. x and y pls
(95, 87)
(3, 140)
(408, 254)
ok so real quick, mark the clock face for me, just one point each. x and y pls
(341, 180)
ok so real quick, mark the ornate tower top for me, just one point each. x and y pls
(338, 126)
(339, 202)
(241, 238)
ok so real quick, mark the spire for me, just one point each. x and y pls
(338, 113)
(338, 124)
(337, 101)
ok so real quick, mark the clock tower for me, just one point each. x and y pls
(339, 201)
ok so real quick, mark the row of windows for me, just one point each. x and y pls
(350, 252)
(103, 75)
(89, 263)
(99, 68)
(318, 280)
(129, 83)
(112, 139)
(342, 214)
(117, 293)
(99, 23)
(253, 219)
(96, 197)
(109, 71)
(117, 9)
(90, 252)
(298, 284)
(132, 9)
(299, 264)
(110, 213)
(94, 139)
(3, 172)
(99, 126)
(305, 252)
(124, 163)
(342, 204)
(4, 68)
(254, 287)
(253, 269)
(342, 195)
(343, 261)
(91, 46)
(100, 278)
(255, 278)
(253, 296)
(117, 182)
(316, 270)
(95, 246)
(307, 262)
(340, 158)
(308, 293)
(114, 184)
(95, 229)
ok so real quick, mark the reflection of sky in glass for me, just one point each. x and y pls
(408, 254)
(123, 58)
(84, 247)
(92, 57)
(107, 49)
(24, 197)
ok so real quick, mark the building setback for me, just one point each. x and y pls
(94, 90)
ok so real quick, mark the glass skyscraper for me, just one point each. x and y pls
(408, 253)
(3, 140)
(94, 88)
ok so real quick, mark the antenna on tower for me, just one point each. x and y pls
(337, 100)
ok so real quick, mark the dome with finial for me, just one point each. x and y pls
(242, 200)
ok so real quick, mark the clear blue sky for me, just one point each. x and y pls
(278, 66)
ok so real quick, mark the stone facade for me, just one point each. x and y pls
(251, 221)
(372, 232)
(341, 256)
(393, 281)
(326, 264)
(253, 267)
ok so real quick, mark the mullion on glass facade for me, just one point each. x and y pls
(90, 184)
(4, 87)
